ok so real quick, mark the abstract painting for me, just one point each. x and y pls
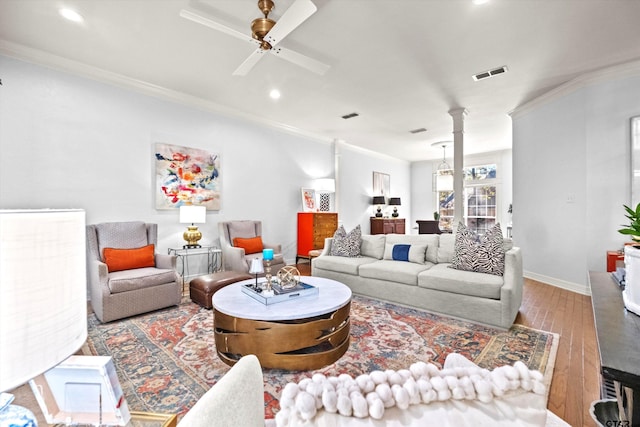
(186, 176)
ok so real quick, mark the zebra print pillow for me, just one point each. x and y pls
(484, 254)
(346, 244)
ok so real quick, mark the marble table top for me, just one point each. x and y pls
(332, 295)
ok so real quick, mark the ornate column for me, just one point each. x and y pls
(458, 115)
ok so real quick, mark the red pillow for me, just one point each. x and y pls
(126, 259)
(251, 246)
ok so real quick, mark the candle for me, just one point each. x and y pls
(267, 254)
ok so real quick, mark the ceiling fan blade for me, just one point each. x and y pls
(297, 13)
(195, 17)
(301, 60)
(248, 63)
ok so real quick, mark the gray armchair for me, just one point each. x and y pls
(124, 293)
(235, 258)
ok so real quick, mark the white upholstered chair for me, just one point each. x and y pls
(236, 258)
(144, 280)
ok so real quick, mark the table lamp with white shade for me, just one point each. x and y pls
(43, 303)
(256, 268)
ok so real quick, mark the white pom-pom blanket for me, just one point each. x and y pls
(370, 394)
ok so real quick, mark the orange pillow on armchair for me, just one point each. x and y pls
(127, 259)
(251, 246)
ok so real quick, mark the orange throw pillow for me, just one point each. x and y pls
(251, 246)
(126, 259)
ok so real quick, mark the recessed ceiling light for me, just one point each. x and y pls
(480, 1)
(71, 15)
(274, 94)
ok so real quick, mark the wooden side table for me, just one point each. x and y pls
(387, 225)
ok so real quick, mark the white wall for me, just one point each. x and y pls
(355, 186)
(67, 141)
(571, 177)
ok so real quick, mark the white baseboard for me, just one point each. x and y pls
(563, 284)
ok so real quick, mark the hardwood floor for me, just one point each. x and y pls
(576, 376)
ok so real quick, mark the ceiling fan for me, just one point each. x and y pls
(267, 34)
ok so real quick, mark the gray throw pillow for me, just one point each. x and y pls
(346, 244)
(483, 254)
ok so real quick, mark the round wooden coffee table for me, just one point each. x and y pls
(301, 334)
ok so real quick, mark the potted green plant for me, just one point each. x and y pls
(436, 216)
(633, 229)
(631, 292)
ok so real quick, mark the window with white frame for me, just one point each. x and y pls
(480, 207)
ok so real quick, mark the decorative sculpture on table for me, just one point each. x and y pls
(289, 277)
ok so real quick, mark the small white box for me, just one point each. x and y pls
(82, 390)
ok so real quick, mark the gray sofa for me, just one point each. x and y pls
(431, 285)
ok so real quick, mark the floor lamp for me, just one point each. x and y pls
(43, 308)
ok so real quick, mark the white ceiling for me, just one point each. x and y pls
(400, 64)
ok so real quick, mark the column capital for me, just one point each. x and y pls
(458, 115)
(458, 112)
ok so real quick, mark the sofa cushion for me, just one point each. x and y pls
(446, 247)
(121, 235)
(393, 271)
(404, 252)
(484, 254)
(442, 278)
(250, 245)
(346, 244)
(242, 229)
(372, 245)
(341, 264)
(126, 259)
(139, 278)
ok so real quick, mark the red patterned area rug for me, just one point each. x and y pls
(167, 359)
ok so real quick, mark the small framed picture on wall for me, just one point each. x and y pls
(308, 200)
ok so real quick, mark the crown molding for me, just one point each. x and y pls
(627, 69)
(49, 60)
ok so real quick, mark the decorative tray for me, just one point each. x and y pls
(299, 291)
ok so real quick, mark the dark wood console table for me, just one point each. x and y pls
(618, 334)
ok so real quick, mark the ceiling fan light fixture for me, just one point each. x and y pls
(266, 6)
(260, 27)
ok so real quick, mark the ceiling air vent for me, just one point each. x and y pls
(350, 115)
(418, 130)
(490, 73)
